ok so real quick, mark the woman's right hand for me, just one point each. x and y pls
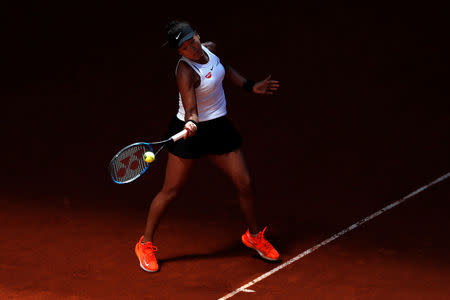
(191, 129)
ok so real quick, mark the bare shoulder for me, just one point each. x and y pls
(211, 46)
(186, 75)
(184, 69)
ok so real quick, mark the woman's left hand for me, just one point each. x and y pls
(266, 87)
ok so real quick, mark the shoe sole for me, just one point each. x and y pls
(249, 245)
(147, 270)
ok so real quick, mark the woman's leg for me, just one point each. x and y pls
(177, 172)
(233, 164)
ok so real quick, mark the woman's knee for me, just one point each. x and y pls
(244, 184)
(171, 192)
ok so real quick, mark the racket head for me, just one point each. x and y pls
(128, 164)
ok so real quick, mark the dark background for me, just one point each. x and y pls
(361, 120)
(363, 102)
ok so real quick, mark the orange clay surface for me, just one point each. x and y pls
(57, 249)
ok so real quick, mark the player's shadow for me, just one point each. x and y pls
(235, 249)
(232, 250)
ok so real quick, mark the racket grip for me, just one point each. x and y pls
(179, 135)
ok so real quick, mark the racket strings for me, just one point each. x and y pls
(129, 163)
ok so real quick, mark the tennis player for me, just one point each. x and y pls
(202, 111)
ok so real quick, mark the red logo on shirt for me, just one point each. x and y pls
(208, 75)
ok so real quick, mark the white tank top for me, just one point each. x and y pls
(211, 103)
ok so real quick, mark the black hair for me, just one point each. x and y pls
(174, 27)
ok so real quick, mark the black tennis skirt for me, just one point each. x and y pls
(217, 136)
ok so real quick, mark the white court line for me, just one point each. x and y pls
(337, 235)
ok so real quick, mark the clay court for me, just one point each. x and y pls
(361, 121)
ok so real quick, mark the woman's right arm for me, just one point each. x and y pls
(187, 81)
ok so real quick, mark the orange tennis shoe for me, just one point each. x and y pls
(146, 255)
(261, 245)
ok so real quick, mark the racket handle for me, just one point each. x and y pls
(179, 135)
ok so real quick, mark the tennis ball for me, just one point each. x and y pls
(149, 156)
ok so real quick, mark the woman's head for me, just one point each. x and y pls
(184, 39)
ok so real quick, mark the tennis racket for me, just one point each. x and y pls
(129, 163)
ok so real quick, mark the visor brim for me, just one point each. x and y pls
(188, 36)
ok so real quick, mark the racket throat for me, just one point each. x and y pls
(161, 148)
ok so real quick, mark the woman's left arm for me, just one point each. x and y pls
(264, 87)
